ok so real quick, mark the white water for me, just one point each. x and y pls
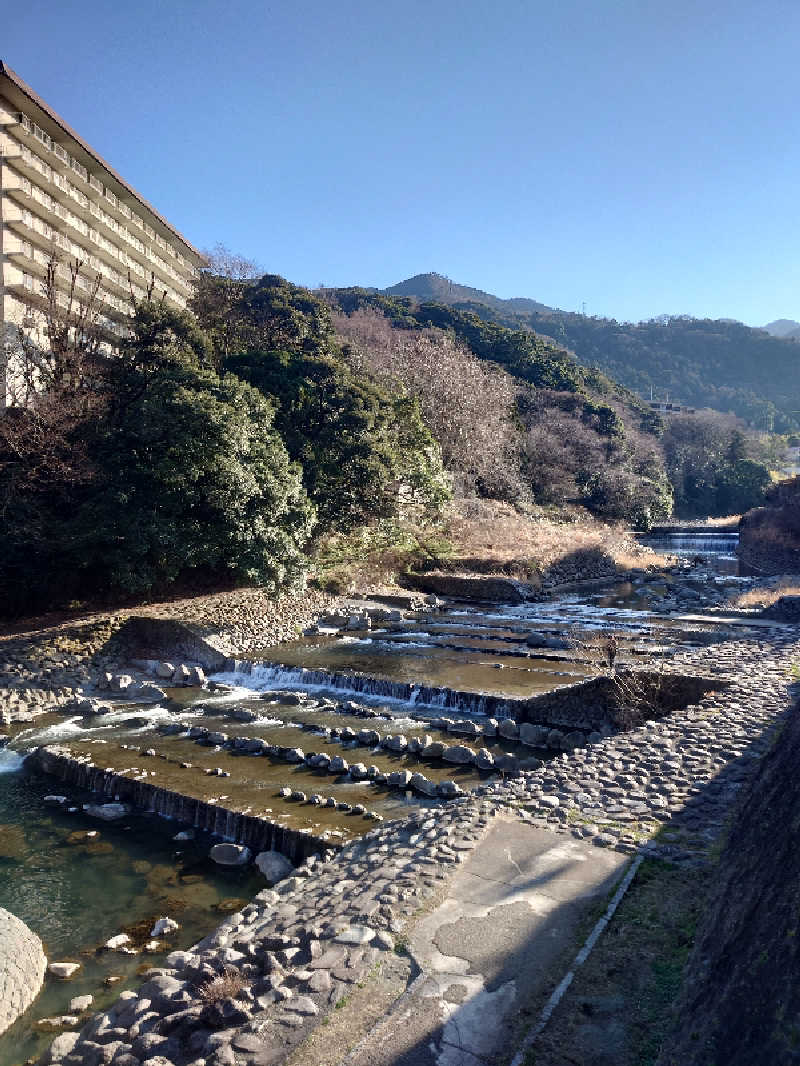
(10, 761)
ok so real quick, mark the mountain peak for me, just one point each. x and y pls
(438, 288)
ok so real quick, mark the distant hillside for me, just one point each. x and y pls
(783, 327)
(438, 289)
(701, 362)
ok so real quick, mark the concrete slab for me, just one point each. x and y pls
(495, 948)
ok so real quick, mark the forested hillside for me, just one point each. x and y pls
(700, 362)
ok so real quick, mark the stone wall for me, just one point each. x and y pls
(618, 703)
(22, 966)
(769, 537)
(141, 637)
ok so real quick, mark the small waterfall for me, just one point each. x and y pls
(265, 677)
(10, 761)
(695, 541)
(259, 834)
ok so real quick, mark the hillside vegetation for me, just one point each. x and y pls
(240, 444)
(721, 364)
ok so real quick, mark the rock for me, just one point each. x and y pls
(164, 926)
(302, 1005)
(358, 771)
(60, 1048)
(572, 740)
(458, 754)
(484, 760)
(185, 834)
(165, 671)
(63, 970)
(399, 779)
(431, 750)
(369, 737)
(273, 866)
(230, 854)
(449, 790)
(197, 677)
(295, 755)
(79, 1004)
(355, 934)
(55, 801)
(534, 736)
(508, 728)
(554, 738)
(490, 727)
(121, 940)
(420, 783)
(464, 728)
(398, 743)
(180, 675)
(108, 812)
(148, 691)
(120, 683)
(338, 765)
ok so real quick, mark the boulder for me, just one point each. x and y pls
(164, 926)
(165, 671)
(449, 790)
(508, 728)
(458, 754)
(108, 812)
(60, 1048)
(399, 779)
(464, 728)
(397, 743)
(484, 759)
(534, 736)
(295, 755)
(369, 737)
(431, 750)
(63, 970)
(147, 690)
(338, 765)
(273, 866)
(115, 943)
(420, 783)
(358, 771)
(196, 676)
(230, 854)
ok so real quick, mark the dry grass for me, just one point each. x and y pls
(227, 986)
(488, 529)
(475, 536)
(788, 585)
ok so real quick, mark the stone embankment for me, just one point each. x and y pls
(254, 989)
(42, 671)
(22, 967)
(769, 537)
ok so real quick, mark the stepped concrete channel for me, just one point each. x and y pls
(596, 790)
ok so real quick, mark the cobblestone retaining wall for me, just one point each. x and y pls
(22, 966)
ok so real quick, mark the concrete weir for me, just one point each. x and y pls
(257, 833)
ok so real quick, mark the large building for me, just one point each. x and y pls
(59, 200)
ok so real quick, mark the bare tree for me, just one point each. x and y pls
(468, 405)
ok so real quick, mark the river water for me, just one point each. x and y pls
(76, 891)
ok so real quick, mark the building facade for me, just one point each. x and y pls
(61, 202)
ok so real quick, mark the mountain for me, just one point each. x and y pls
(715, 363)
(783, 327)
(439, 289)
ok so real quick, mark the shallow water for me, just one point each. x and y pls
(77, 895)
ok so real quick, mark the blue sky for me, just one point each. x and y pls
(638, 156)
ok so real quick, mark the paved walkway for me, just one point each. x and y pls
(492, 952)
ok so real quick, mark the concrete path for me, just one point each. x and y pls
(492, 952)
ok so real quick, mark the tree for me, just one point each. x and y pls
(468, 405)
(187, 476)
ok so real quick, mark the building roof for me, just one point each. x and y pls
(28, 92)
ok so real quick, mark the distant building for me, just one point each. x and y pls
(58, 197)
(671, 408)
